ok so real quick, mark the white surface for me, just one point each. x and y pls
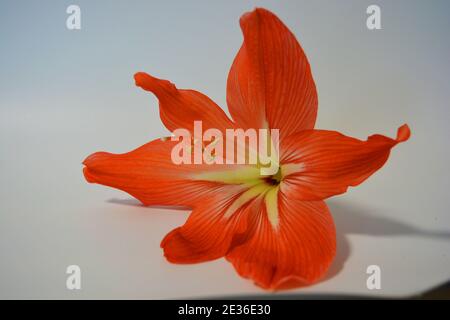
(73, 94)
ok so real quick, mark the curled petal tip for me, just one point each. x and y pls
(139, 78)
(403, 133)
(159, 87)
(87, 175)
(254, 14)
(86, 172)
(87, 161)
(92, 159)
(91, 163)
(258, 10)
(290, 282)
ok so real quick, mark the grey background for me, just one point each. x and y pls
(65, 94)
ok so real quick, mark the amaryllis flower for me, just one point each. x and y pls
(276, 230)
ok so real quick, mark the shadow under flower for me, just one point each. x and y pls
(351, 219)
(136, 203)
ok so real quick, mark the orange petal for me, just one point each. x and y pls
(210, 230)
(296, 253)
(319, 164)
(270, 82)
(180, 108)
(149, 175)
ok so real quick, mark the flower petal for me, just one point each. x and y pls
(180, 108)
(270, 82)
(318, 164)
(211, 229)
(297, 251)
(149, 174)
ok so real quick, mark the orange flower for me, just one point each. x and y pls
(275, 230)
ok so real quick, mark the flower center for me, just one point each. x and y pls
(274, 179)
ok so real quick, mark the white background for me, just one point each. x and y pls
(65, 94)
